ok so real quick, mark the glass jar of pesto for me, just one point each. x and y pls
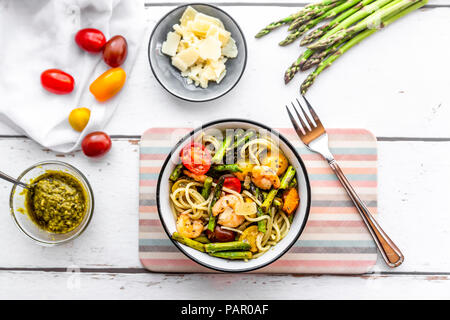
(58, 208)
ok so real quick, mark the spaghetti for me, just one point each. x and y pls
(243, 206)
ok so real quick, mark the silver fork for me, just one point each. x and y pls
(315, 137)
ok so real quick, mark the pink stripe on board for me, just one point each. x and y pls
(338, 210)
(335, 183)
(172, 262)
(148, 156)
(287, 131)
(164, 130)
(352, 224)
(148, 209)
(148, 183)
(327, 170)
(148, 222)
(342, 157)
(322, 263)
(150, 169)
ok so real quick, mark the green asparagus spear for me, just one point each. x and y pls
(319, 32)
(262, 224)
(332, 12)
(206, 191)
(326, 13)
(358, 15)
(287, 177)
(176, 173)
(372, 21)
(277, 203)
(233, 255)
(218, 157)
(189, 242)
(319, 56)
(355, 40)
(284, 183)
(268, 201)
(293, 183)
(292, 17)
(217, 192)
(227, 246)
(265, 195)
(242, 140)
(202, 239)
(302, 29)
(291, 218)
(226, 168)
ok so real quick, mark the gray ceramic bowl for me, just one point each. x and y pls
(169, 76)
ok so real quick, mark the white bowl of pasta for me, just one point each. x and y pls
(233, 195)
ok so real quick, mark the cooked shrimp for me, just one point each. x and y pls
(265, 177)
(188, 227)
(196, 177)
(225, 207)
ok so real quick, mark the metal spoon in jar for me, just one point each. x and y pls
(4, 176)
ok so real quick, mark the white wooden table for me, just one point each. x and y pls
(396, 84)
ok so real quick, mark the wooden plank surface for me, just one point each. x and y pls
(388, 84)
(411, 208)
(236, 287)
(284, 3)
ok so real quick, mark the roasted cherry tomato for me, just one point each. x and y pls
(96, 144)
(115, 51)
(108, 84)
(91, 40)
(196, 158)
(232, 183)
(221, 235)
(79, 118)
(57, 81)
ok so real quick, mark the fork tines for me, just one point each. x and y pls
(313, 120)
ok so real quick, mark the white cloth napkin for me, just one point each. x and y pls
(36, 35)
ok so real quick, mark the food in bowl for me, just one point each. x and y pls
(57, 202)
(233, 197)
(199, 47)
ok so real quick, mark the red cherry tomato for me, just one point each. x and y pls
(232, 183)
(91, 40)
(196, 158)
(115, 51)
(221, 235)
(57, 81)
(96, 144)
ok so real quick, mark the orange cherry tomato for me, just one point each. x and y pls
(108, 84)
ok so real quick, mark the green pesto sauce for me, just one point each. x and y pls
(57, 202)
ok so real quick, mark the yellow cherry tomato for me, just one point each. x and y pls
(108, 84)
(79, 118)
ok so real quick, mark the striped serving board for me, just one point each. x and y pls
(335, 240)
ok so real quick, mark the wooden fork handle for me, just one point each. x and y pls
(390, 252)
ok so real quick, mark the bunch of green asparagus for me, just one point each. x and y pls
(350, 22)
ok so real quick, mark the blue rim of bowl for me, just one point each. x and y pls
(240, 31)
(91, 194)
(302, 165)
